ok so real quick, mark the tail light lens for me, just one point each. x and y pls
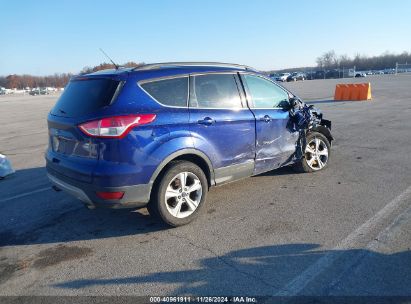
(115, 126)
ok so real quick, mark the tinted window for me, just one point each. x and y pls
(215, 91)
(81, 97)
(170, 92)
(264, 93)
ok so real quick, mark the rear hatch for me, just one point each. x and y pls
(71, 152)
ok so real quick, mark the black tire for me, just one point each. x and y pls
(303, 165)
(160, 207)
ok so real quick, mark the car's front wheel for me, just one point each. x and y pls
(316, 153)
(180, 194)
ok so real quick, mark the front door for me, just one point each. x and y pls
(275, 141)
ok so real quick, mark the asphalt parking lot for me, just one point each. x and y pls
(342, 231)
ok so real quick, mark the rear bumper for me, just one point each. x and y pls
(134, 196)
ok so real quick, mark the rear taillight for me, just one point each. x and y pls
(115, 126)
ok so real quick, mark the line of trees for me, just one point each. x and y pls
(56, 80)
(330, 60)
(24, 81)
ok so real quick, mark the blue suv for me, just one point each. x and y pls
(160, 135)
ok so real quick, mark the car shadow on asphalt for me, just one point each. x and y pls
(53, 217)
(61, 218)
(266, 270)
(287, 170)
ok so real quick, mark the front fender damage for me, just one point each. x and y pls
(305, 119)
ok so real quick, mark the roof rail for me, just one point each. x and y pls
(153, 66)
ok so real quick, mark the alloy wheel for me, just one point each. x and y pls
(183, 194)
(316, 154)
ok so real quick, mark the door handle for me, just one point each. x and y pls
(266, 118)
(206, 121)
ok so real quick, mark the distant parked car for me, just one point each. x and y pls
(310, 75)
(360, 74)
(319, 75)
(44, 91)
(332, 74)
(34, 92)
(389, 71)
(283, 77)
(274, 76)
(296, 76)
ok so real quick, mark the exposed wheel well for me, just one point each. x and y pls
(324, 131)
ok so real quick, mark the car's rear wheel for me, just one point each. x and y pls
(316, 153)
(180, 194)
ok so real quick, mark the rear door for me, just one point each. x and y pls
(275, 142)
(221, 125)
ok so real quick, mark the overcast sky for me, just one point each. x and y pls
(44, 37)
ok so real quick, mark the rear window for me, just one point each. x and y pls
(170, 92)
(82, 97)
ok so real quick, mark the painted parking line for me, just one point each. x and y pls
(24, 194)
(298, 284)
(372, 246)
